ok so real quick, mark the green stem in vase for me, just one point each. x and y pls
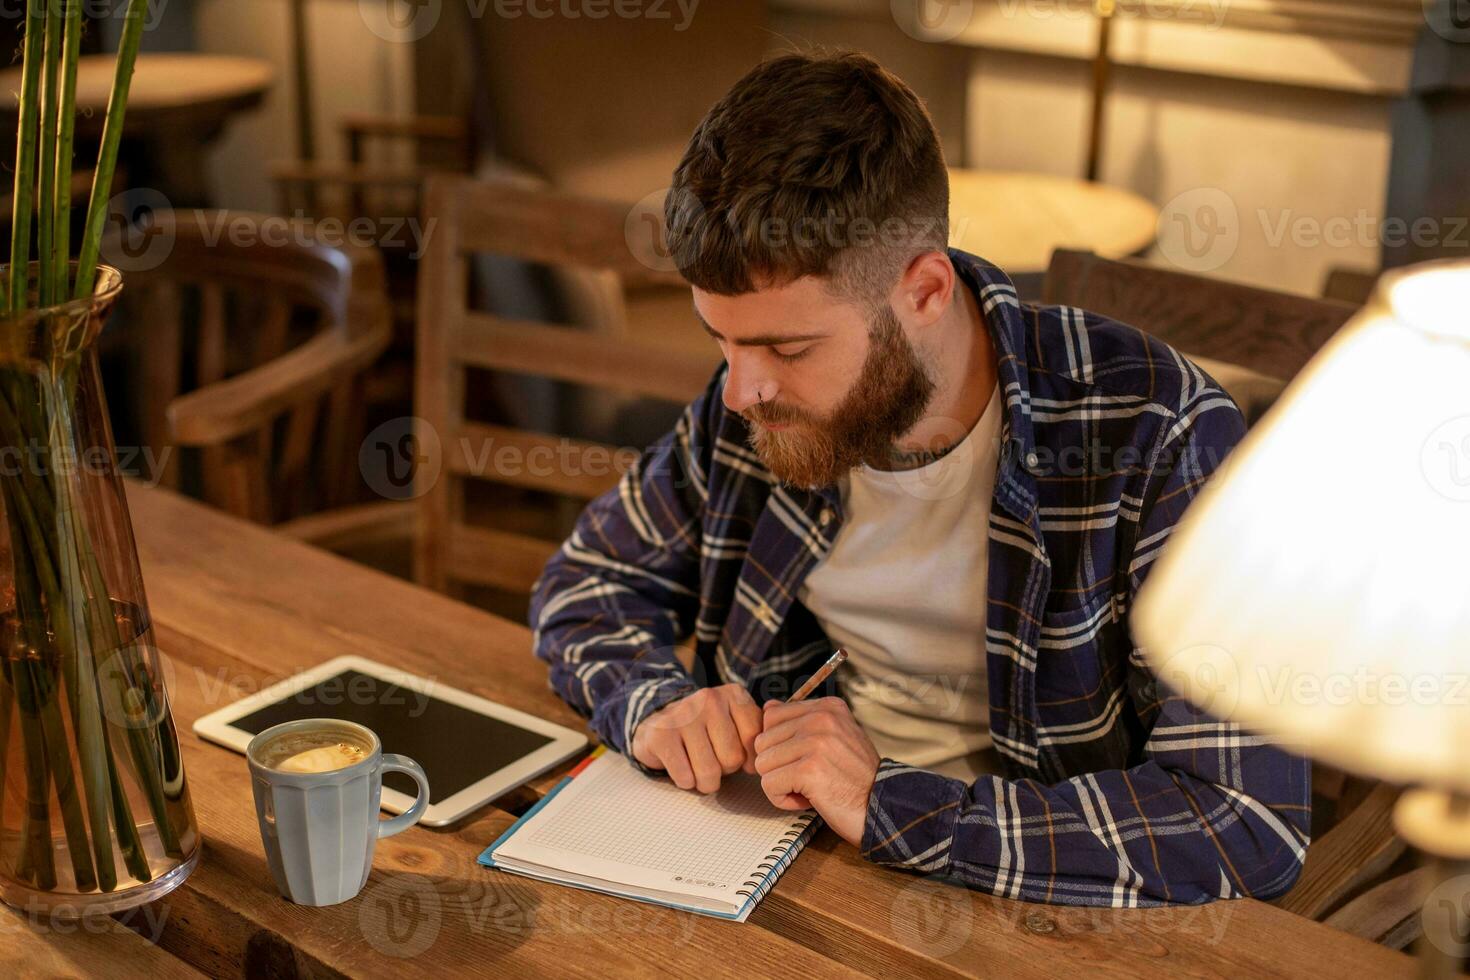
(32, 555)
(46, 195)
(65, 147)
(34, 576)
(54, 735)
(94, 622)
(25, 155)
(112, 131)
(36, 855)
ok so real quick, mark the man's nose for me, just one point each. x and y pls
(744, 385)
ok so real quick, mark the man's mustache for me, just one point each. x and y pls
(775, 413)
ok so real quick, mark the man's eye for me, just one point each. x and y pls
(791, 353)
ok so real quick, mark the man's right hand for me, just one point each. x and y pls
(701, 737)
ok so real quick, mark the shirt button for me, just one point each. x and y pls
(825, 517)
(1032, 461)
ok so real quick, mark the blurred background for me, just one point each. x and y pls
(344, 222)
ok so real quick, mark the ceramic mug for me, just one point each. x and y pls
(320, 828)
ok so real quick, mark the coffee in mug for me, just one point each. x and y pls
(313, 751)
(318, 785)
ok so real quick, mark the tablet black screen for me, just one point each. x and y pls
(456, 746)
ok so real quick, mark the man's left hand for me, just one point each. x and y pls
(814, 754)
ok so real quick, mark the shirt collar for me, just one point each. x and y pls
(1015, 485)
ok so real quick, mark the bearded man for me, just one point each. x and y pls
(963, 491)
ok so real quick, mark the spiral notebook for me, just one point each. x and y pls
(609, 828)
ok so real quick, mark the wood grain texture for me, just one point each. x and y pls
(585, 241)
(36, 945)
(237, 606)
(1361, 846)
(1270, 332)
(254, 281)
(428, 908)
(1388, 912)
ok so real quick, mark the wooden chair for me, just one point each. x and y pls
(1268, 333)
(1349, 878)
(556, 230)
(254, 338)
(388, 161)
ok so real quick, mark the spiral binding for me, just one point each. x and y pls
(788, 845)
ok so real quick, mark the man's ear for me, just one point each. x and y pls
(924, 291)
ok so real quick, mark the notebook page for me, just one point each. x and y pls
(614, 823)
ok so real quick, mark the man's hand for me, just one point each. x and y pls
(701, 737)
(814, 753)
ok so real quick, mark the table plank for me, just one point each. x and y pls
(427, 904)
(236, 604)
(35, 945)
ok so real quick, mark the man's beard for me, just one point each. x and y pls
(888, 399)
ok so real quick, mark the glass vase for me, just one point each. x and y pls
(95, 812)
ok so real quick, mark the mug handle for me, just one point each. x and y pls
(409, 817)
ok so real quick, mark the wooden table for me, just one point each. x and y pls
(177, 105)
(1016, 220)
(237, 607)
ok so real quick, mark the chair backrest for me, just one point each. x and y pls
(555, 230)
(253, 336)
(1269, 332)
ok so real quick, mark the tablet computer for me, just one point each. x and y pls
(473, 750)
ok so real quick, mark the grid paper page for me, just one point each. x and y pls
(612, 812)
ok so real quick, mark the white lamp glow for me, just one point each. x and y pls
(1318, 589)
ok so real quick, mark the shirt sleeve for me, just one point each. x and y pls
(623, 590)
(1210, 812)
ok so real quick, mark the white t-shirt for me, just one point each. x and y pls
(903, 589)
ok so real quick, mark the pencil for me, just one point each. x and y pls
(822, 674)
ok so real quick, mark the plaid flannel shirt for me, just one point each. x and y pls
(1114, 791)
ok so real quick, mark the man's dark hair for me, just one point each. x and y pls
(822, 166)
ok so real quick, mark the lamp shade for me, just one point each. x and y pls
(1318, 588)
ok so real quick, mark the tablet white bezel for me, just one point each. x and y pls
(218, 727)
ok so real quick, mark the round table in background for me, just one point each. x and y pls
(177, 105)
(1016, 220)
